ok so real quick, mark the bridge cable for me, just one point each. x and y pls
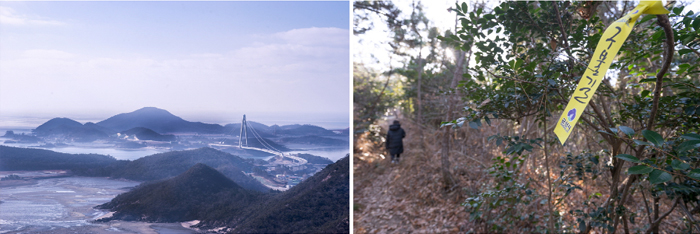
(263, 142)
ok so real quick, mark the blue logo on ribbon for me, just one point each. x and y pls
(571, 115)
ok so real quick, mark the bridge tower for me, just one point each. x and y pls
(244, 132)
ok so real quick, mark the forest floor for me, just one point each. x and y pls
(408, 197)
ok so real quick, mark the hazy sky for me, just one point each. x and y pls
(73, 58)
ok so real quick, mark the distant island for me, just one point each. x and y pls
(154, 127)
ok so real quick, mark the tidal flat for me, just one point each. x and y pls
(65, 205)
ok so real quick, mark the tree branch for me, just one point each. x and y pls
(690, 217)
(561, 25)
(656, 222)
(668, 57)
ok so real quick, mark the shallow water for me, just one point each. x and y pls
(92, 148)
(56, 203)
(334, 153)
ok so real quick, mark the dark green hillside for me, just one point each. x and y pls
(142, 133)
(165, 165)
(315, 140)
(320, 204)
(158, 120)
(17, 159)
(188, 196)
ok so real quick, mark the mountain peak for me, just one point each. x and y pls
(158, 120)
(61, 121)
(152, 110)
(58, 125)
(205, 179)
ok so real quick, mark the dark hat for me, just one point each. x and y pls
(396, 122)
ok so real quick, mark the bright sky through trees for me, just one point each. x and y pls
(366, 46)
(191, 58)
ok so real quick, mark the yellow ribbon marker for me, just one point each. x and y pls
(607, 48)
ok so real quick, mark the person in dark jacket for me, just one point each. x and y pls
(394, 141)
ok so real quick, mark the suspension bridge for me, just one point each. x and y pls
(265, 146)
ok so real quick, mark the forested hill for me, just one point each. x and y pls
(188, 196)
(153, 167)
(158, 120)
(165, 165)
(17, 159)
(72, 129)
(319, 204)
(142, 133)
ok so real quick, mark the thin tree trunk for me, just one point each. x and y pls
(419, 106)
(448, 180)
(549, 175)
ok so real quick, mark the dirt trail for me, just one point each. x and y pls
(408, 197)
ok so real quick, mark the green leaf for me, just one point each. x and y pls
(518, 62)
(688, 145)
(677, 10)
(475, 124)
(647, 80)
(645, 93)
(696, 24)
(646, 18)
(659, 176)
(684, 51)
(641, 142)
(639, 169)
(628, 158)
(679, 165)
(691, 136)
(657, 35)
(464, 7)
(627, 130)
(695, 174)
(653, 137)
